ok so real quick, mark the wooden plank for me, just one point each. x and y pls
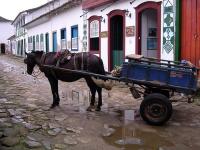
(188, 30)
(193, 31)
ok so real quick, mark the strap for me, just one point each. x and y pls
(42, 62)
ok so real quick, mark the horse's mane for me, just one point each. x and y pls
(37, 52)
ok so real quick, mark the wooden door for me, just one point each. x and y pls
(198, 31)
(116, 40)
(190, 25)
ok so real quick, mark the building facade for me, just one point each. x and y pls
(123, 27)
(113, 29)
(6, 30)
(57, 29)
(20, 34)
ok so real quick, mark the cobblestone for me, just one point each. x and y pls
(26, 122)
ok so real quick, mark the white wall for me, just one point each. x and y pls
(6, 31)
(46, 8)
(66, 19)
(129, 41)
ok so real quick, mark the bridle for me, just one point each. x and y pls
(37, 73)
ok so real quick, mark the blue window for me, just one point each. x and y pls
(54, 41)
(74, 37)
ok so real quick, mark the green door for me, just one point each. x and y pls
(116, 28)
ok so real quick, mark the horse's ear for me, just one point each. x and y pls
(30, 55)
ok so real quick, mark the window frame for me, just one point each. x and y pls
(41, 42)
(91, 19)
(37, 47)
(72, 27)
(63, 39)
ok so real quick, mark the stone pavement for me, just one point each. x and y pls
(26, 122)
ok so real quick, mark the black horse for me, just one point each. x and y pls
(80, 61)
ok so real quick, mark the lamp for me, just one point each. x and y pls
(132, 2)
(128, 13)
(103, 20)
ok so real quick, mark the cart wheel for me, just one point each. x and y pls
(156, 109)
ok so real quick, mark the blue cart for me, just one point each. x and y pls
(160, 79)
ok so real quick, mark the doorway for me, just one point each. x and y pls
(3, 48)
(116, 38)
(148, 29)
(190, 31)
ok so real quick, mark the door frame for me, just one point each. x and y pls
(110, 15)
(139, 9)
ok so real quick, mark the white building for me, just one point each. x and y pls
(11, 45)
(20, 33)
(117, 28)
(25, 17)
(58, 26)
(110, 29)
(6, 30)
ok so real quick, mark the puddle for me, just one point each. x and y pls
(131, 138)
(136, 136)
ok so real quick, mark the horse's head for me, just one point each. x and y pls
(31, 60)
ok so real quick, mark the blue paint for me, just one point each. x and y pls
(181, 77)
(54, 41)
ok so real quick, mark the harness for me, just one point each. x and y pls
(62, 58)
(42, 61)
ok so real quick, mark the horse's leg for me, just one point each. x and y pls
(54, 88)
(99, 90)
(92, 87)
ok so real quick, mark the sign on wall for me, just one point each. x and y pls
(104, 34)
(130, 31)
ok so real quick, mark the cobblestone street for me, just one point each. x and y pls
(26, 122)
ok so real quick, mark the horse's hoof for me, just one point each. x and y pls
(90, 108)
(53, 106)
(98, 109)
